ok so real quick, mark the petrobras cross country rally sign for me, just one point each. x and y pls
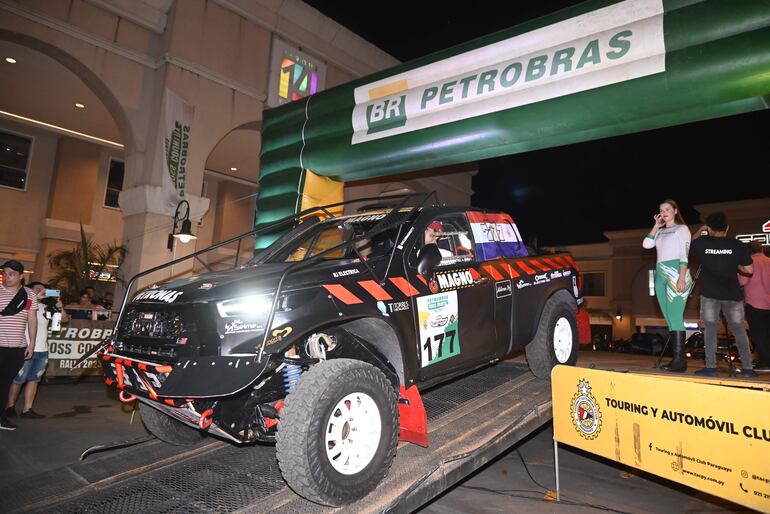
(617, 43)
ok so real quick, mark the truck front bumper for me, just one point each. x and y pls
(203, 377)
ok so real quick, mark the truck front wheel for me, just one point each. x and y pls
(556, 340)
(338, 432)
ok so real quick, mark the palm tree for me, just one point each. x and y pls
(80, 267)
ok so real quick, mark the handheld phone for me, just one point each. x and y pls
(52, 292)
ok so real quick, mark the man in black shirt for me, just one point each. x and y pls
(721, 257)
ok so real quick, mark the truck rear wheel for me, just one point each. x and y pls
(338, 432)
(556, 340)
(167, 429)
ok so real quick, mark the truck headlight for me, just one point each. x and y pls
(246, 306)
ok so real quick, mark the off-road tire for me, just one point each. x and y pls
(541, 355)
(300, 439)
(167, 429)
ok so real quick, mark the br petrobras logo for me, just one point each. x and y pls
(586, 415)
(386, 114)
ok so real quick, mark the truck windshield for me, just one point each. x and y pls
(328, 234)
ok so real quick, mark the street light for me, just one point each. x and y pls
(618, 314)
(185, 235)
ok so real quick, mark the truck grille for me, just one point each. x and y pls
(167, 351)
(159, 324)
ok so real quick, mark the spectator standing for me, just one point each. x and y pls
(673, 283)
(756, 290)
(33, 369)
(721, 257)
(18, 306)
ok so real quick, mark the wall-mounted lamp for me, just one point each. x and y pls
(618, 314)
(185, 235)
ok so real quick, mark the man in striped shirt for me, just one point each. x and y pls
(18, 306)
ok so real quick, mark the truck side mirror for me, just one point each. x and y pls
(429, 258)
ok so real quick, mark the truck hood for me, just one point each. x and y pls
(245, 281)
(215, 286)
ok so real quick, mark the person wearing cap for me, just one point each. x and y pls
(18, 305)
(32, 371)
(434, 231)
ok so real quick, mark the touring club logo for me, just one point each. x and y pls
(585, 412)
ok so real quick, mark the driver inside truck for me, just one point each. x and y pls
(450, 236)
(433, 232)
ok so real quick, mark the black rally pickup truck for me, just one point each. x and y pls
(321, 342)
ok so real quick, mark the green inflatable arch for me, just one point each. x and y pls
(599, 69)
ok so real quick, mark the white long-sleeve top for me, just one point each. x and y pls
(671, 243)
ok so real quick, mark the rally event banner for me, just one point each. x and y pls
(66, 346)
(711, 435)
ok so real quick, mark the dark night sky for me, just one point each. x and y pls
(572, 194)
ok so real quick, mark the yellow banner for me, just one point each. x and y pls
(713, 436)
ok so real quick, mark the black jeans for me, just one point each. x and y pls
(759, 328)
(11, 361)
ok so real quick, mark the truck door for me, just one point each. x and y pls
(455, 321)
(498, 241)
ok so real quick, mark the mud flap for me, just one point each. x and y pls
(413, 422)
(584, 326)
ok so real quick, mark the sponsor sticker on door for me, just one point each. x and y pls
(503, 289)
(439, 323)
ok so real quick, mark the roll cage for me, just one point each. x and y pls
(400, 209)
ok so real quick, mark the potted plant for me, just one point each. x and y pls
(80, 267)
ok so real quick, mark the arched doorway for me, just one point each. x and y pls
(70, 138)
(230, 183)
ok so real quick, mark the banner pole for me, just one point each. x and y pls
(556, 467)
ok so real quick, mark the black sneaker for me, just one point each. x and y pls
(10, 412)
(749, 373)
(707, 372)
(5, 424)
(30, 414)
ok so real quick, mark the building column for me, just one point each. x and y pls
(148, 220)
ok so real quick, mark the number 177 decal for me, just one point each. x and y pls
(438, 318)
(435, 346)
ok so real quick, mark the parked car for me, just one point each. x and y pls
(726, 350)
(648, 344)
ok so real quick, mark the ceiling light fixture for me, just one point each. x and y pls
(56, 128)
(10, 60)
(233, 169)
(80, 106)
